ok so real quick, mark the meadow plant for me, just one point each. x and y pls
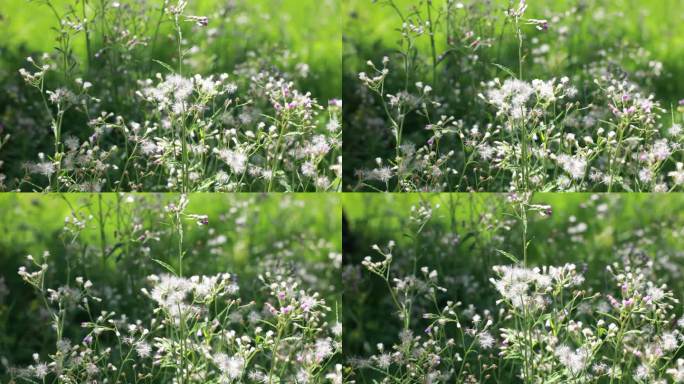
(132, 115)
(544, 324)
(184, 327)
(494, 100)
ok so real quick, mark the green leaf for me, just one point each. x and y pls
(507, 70)
(165, 265)
(163, 64)
(509, 255)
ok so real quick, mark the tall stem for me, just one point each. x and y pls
(523, 127)
(183, 128)
(432, 42)
(101, 222)
(179, 227)
(520, 47)
(87, 32)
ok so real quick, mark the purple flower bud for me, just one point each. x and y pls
(88, 340)
(615, 111)
(285, 310)
(613, 302)
(681, 102)
(271, 309)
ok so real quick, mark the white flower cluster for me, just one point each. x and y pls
(528, 287)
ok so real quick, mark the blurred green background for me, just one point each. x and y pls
(310, 29)
(370, 31)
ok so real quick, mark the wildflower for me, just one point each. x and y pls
(669, 341)
(519, 11)
(61, 96)
(322, 182)
(92, 369)
(200, 219)
(236, 159)
(143, 349)
(45, 168)
(337, 329)
(576, 166)
(511, 97)
(308, 169)
(661, 150)
(645, 175)
(545, 90)
(678, 174)
(656, 294)
(540, 24)
(384, 360)
(201, 21)
(336, 376)
(678, 372)
(232, 366)
(383, 174)
(257, 376)
(485, 340)
(642, 372)
(307, 303)
(323, 349)
(333, 125)
(40, 370)
(575, 361)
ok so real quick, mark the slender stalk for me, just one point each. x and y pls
(87, 32)
(432, 42)
(181, 121)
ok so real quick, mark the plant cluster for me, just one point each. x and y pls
(272, 322)
(460, 318)
(480, 98)
(131, 114)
